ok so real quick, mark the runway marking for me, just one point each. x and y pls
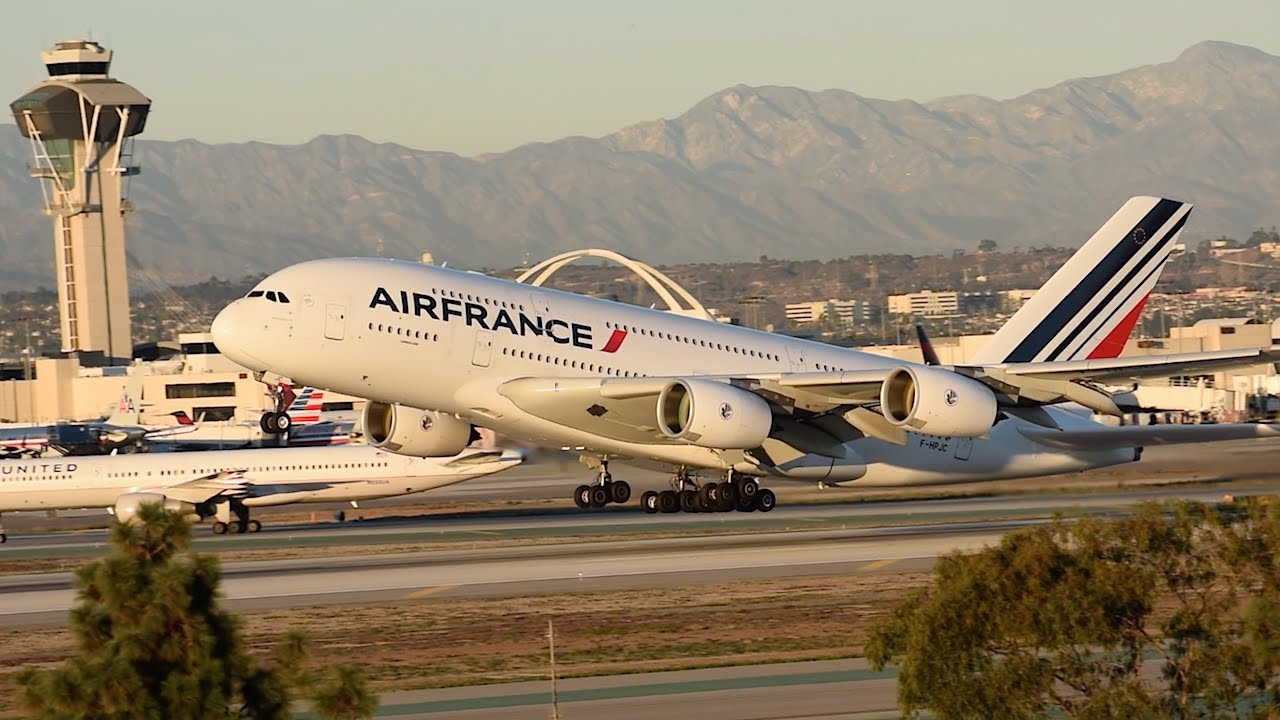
(428, 592)
(878, 564)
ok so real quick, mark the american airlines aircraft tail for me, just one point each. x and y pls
(437, 351)
(1089, 307)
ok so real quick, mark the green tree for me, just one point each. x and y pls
(1172, 613)
(987, 245)
(152, 641)
(344, 696)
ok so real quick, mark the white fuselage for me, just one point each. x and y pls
(275, 476)
(439, 339)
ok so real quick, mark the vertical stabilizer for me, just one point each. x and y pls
(1090, 306)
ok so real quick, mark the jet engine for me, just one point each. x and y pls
(418, 433)
(713, 414)
(937, 402)
(127, 505)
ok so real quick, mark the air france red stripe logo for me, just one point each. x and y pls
(615, 341)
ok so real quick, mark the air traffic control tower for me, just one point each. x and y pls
(81, 125)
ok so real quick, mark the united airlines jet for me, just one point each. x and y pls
(437, 350)
(226, 484)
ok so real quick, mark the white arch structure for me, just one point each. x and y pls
(666, 288)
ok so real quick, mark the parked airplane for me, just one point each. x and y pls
(225, 484)
(620, 382)
(302, 421)
(118, 430)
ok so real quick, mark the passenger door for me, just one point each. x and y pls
(335, 321)
(483, 349)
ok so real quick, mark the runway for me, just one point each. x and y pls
(566, 567)
(824, 690)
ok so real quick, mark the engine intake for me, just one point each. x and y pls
(417, 433)
(937, 402)
(713, 414)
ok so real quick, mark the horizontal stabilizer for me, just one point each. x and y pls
(1111, 438)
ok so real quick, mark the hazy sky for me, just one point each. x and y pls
(474, 76)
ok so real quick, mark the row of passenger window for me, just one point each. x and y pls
(261, 468)
(405, 332)
(692, 341)
(566, 362)
(482, 300)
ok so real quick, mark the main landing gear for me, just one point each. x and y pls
(737, 492)
(242, 523)
(603, 491)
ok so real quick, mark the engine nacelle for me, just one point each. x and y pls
(127, 505)
(418, 433)
(937, 402)
(713, 414)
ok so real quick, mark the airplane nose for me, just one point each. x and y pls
(233, 334)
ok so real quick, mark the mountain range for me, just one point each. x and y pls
(748, 171)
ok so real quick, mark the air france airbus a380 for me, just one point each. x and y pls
(436, 350)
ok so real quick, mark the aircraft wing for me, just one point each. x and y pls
(229, 483)
(1108, 438)
(625, 409)
(1141, 367)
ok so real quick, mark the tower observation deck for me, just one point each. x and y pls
(81, 124)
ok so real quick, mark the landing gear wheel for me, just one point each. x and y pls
(748, 487)
(599, 496)
(765, 500)
(710, 494)
(744, 503)
(619, 491)
(669, 501)
(282, 423)
(254, 526)
(689, 501)
(268, 423)
(582, 496)
(728, 493)
(649, 502)
(219, 527)
(240, 528)
(3, 538)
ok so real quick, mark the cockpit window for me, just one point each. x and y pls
(283, 298)
(271, 295)
(254, 293)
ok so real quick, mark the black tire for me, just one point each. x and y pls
(282, 423)
(582, 496)
(710, 494)
(766, 500)
(268, 423)
(668, 501)
(689, 501)
(599, 496)
(649, 502)
(748, 487)
(239, 528)
(744, 504)
(254, 526)
(728, 493)
(3, 538)
(619, 491)
(219, 527)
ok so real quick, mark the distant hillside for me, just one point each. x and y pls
(746, 172)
